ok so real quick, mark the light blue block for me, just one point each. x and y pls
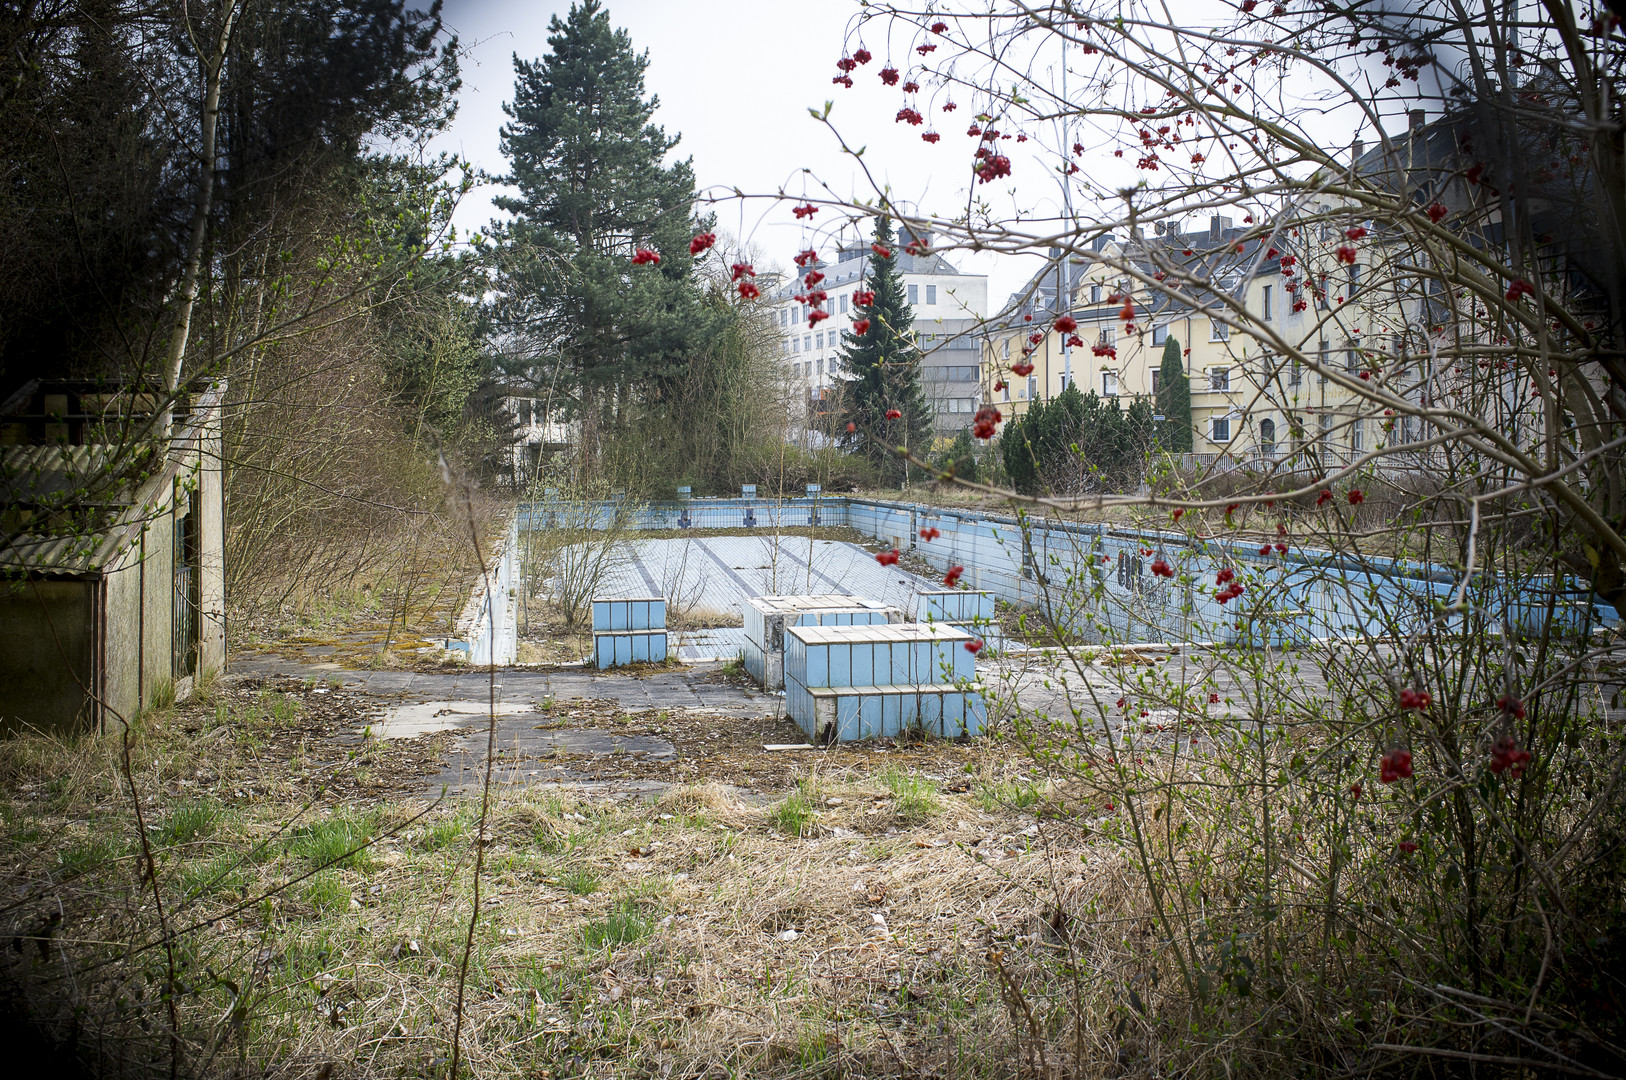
(863, 664)
(841, 665)
(817, 671)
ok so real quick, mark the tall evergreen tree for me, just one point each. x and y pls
(588, 164)
(1174, 400)
(885, 364)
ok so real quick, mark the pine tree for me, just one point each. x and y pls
(884, 363)
(588, 164)
(1173, 400)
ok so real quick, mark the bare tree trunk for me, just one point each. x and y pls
(213, 72)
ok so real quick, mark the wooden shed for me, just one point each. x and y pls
(112, 591)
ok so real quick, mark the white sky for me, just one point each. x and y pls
(737, 80)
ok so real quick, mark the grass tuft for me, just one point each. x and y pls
(915, 798)
(332, 842)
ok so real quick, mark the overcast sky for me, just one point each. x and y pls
(737, 80)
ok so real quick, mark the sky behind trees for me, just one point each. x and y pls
(736, 80)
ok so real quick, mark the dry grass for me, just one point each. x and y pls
(689, 935)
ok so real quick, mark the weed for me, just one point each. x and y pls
(89, 854)
(279, 707)
(327, 894)
(442, 832)
(735, 667)
(580, 881)
(793, 815)
(189, 821)
(1014, 796)
(625, 923)
(207, 877)
(915, 798)
(163, 696)
(332, 842)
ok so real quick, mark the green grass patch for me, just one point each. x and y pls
(211, 877)
(91, 853)
(188, 822)
(793, 815)
(334, 842)
(1014, 796)
(625, 923)
(580, 881)
(914, 798)
(326, 894)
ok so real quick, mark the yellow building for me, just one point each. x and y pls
(1272, 357)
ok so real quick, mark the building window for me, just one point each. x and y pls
(1352, 359)
(795, 345)
(1354, 278)
(784, 316)
(818, 341)
(914, 294)
(1033, 387)
(1295, 374)
(1219, 378)
(1160, 334)
(843, 303)
(1109, 384)
(1157, 377)
(1107, 336)
(1007, 391)
(1357, 435)
(931, 294)
(807, 343)
(1095, 294)
(821, 365)
(1323, 356)
(1218, 331)
(1007, 349)
(1221, 432)
(1265, 298)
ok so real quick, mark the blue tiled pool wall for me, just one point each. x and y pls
(873, 713)
(962, 607)
(877, 663)
(632, 613)
(1054, 565)
(615, 648)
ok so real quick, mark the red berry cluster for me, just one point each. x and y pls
(1395, 765)
(985, 422)
(1520, 287)
(1161, 568)
(894, 414)
(1346, 254)
(1408, 846)
(1511, 706)
(992, 168)
(807, 258)
(644, 256)
(864, 297)
(887, 558)
(806, 210)
(930, 533)
(974, 646)
(860, 327)
(952, 578)
(1415, 699)
(1506, 756)
(702, 242)
(1066, 324)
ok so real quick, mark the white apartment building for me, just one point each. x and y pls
(948, 305)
